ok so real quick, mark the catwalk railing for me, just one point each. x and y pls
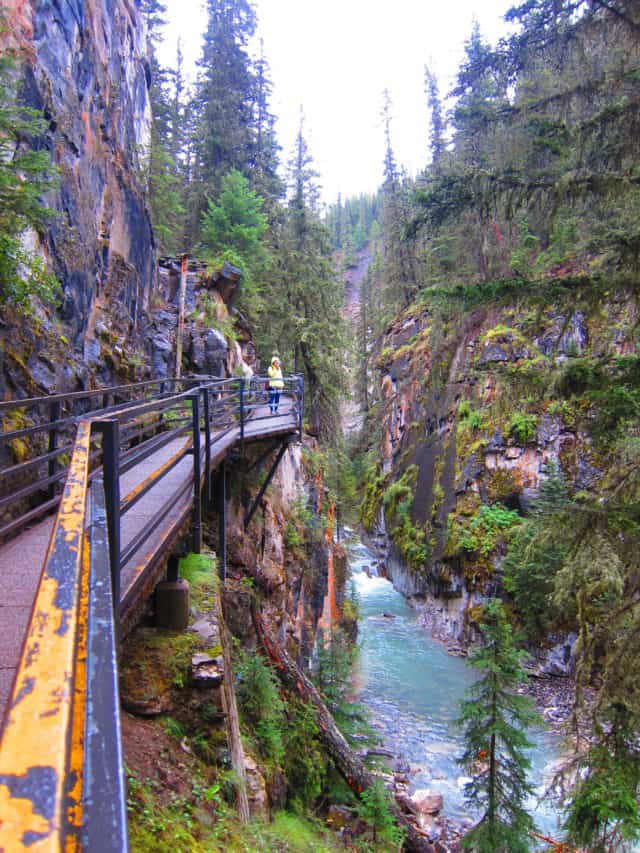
(61, 756)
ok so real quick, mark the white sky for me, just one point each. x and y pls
(335, 57)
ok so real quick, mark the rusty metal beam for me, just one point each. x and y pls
(265, 485)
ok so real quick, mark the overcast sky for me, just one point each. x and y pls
(335, 58)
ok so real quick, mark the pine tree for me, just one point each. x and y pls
(313, 299)
(335, 659)
(375, 810)
(224, 102)
(233, 230)
(26, 174)
(437, 144)
(338, 223)
(266, 154)
(397, 249)
(495, 719)
(261, 706)
(164, 182)
(178, 107)
(481, 91)
(536, 553)
(603, 812)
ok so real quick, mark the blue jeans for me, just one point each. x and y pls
(274, 399)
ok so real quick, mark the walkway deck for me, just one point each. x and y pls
(22, 558)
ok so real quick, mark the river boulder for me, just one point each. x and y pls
(427, 802)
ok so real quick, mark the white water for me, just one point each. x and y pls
(412, 688)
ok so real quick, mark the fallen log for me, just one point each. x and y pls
(376, 753)
(346, 760)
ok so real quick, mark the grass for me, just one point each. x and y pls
(206, 825)
(200, 570)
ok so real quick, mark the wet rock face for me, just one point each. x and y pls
(560, 659)
(478, 404)
(85, 67)
(209, 352)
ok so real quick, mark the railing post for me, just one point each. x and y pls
(207, 445)
(179, 334)
(54, 415)
(110, 430)
(241, 381)
(197, 495)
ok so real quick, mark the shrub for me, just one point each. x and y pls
(261, 707)
(375, 810)
(468, 416)
(482, 533)
(374, 484)
(523, 427)
(579, 375)
(306, 762)
(300, 521)
(25, 176)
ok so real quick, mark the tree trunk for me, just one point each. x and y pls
(233, 721)
(313, 397)
(348, 763)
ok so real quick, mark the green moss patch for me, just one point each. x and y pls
(410, 539)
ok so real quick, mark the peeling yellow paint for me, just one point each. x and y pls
(76, 766)
(39, 724)
(30, 821)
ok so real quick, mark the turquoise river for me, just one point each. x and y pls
(412, 689)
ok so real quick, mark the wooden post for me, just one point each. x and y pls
(180, 332)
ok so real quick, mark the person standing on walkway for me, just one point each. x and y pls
(276, 384)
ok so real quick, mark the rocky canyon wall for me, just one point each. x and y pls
(476, 404)
(83, 65)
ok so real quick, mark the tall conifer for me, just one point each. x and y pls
(312, 323)
(164, 181)
(495, 720)
(437, 143)
(266, 149)
(224, 101)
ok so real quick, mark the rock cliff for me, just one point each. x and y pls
(287, 555)
(84, 66)
(477, 401)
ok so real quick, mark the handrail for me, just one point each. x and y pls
(31, 485)
(108, 390)
(35, 769)
(62, 722)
